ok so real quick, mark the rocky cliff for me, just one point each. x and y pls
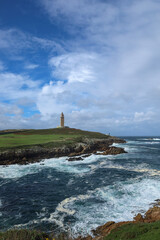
(36, 153)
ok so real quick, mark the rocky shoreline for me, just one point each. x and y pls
(36, 153)
(151, 216)
(142, 227)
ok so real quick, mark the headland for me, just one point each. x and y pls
(27, 145)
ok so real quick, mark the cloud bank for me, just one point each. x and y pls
(104, 74)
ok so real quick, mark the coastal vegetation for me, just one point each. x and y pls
(28, 146)
(23, 234)
(55, 137)
(137, 231)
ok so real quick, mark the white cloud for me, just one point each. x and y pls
(105, 75)
(80, 12)
(10, 109)
(49, 44)
(15, 86)
(73, 67)
(141, 116)
(13, 41)
(31, 66)
(111, 70)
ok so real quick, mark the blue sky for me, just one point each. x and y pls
(95, 60)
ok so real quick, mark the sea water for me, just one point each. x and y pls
(57, 195)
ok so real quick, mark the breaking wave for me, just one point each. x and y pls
(81, 195)
(114, 203)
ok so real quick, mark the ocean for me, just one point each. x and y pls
(56, 195)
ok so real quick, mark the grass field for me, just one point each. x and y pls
(138, 231)
(46, 137)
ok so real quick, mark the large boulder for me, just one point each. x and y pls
(152, 215)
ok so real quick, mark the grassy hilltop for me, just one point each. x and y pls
(55, 137)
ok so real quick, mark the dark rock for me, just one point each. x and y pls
(75, 159)
(87, 155)
(112, 151)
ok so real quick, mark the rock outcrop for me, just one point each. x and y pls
(112, 151)
(37, 153)
(152, 215)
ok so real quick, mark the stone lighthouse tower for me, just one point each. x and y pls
(62, 120)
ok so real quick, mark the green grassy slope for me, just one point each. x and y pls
(46, 137)
(138, 231)
(23, 235)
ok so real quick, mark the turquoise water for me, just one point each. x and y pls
(55, 194)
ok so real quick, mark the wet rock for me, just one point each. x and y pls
(112, 151)
(87, 155)
(75, 159)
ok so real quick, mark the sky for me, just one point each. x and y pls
(97, 61)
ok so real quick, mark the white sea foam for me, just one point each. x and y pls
(71, 181)
(146, 141)
(151, 142)
(42, 213)
(63, 206)
(128, 147)
(141, 168)
(136, 146)
(117, 203)
(59, 164)
(16, 171)
(149, 139)
(87, 166)
(63, 209)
